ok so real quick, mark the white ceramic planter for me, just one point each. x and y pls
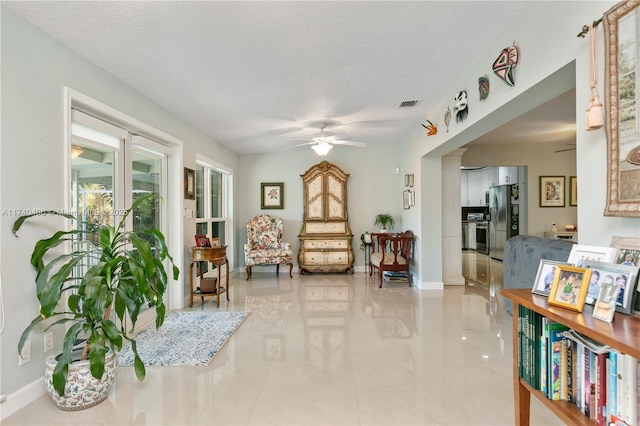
(82, 389)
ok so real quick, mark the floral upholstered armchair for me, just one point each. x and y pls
(264, 245)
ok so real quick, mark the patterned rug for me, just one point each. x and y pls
(185, 339)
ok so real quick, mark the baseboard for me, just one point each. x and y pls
(434, 285)
(22, 397)
(453, 280)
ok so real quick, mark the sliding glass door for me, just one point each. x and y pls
(110, 169)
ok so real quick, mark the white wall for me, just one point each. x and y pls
(552, 60)
(373, 187)
(35, 70)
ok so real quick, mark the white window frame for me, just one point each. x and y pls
(227, 205)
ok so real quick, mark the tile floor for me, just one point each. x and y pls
(333, 350)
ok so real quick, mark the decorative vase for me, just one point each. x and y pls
(82, 389)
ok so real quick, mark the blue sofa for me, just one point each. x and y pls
(522, 255)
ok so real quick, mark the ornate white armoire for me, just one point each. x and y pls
(325, 237)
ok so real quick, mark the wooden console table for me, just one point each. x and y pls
(218, 257)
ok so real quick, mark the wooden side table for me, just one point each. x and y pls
(218, 257)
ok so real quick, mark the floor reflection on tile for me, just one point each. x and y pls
(334, 349)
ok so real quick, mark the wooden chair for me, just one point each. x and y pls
(391, 252)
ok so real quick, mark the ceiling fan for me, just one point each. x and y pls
(566, 149)
(322, 142)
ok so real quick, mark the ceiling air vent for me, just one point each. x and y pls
(409, 104)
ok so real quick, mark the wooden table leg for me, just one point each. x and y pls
(226, 261)
(191, 284)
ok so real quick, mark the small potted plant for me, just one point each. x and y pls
(384, 221)
(125, 271)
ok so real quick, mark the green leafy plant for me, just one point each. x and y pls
(126, 271)
(384, 221)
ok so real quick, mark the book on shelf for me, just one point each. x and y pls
(554, 362)
(601, 391)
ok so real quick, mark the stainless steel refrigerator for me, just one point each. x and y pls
(504, 212)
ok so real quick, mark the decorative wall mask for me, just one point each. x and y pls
(506, 62)
(447, 118)
(431, 129)
(462, 106)
(483, 87)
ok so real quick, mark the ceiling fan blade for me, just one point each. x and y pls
(351, 143)
(301, 144)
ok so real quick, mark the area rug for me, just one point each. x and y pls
(185, 339)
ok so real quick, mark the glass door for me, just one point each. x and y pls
(148, 175)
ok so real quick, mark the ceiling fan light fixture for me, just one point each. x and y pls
(322, 148)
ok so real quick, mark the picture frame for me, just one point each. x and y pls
(623, 276)
(406, 179)
(189, 184)
(272, 195)
(605, 305)
(544, 278)
(413, 198)
(215, 242)
(626, 246)
(202, 240)
(569, 289)
(411, 180)
(573, 191)
(552, 191)
(406, 199)
(623, 142)
(581, 253)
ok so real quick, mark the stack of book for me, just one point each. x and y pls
(565, 365)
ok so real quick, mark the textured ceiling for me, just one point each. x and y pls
(257, 76)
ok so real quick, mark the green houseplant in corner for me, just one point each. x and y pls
(384, 221)
(125, 271)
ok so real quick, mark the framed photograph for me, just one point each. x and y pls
(413, 198)
(272, 195)
(411, 180)
(605, 305)
(573, 191)
(215, 242)
(569, 288)
(622, 276)
(202, 241)
(406, 199)
(552, 191)
(189, 184)
(406, 179)
(628, 250)
(545, 276)
(580, 253)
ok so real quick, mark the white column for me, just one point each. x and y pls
(451, 219)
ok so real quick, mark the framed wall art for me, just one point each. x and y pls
(406, 199)
(569, 289)
(552, 191)
(215, 242)
(272, 195)
(573, 191)
(622, 276)
(620, 90)
(189, 184)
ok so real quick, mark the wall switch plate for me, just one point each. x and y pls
(48, 341)
(25, 355)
